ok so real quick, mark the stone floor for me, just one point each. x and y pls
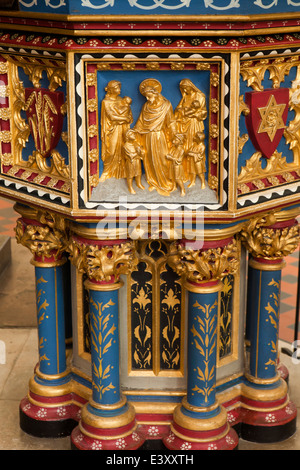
(18, 336)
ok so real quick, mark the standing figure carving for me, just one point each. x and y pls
(191, 111)
(116, 117)
(156, 127)
(190, 114)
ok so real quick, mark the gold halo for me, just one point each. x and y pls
(150, 83)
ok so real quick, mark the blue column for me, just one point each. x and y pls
(50, 300)
(202, 346)
(200, 422)
(263, 318)
(104, 324)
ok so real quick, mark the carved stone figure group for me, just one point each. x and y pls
(169, 143)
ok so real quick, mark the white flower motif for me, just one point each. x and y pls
(229, 440)
(268, 38)
(96, 445)
(180, 43)
(151, 43)
(21, 38)
(289, 410)
(170, 437)
(94, 43)
(208, 43)
(153, 430)
(121, 43)
(42, 412)
(270, 418)
(78, 438)
(27, 407)
(135, 436)
(51, 42)
(230, 417)
(121, 443)
(212, 447)
(69, 43)
(234, 42)
(62, 411)
(185, 446)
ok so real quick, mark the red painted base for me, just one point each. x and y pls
(224, 438)
(51, 418)
(85, 437)
(283, 372)
(268, 425)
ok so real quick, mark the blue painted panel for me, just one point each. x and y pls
(283, 147)
(161, 7)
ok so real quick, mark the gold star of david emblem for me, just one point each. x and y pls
(271, 117)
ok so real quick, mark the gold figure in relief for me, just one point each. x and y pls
(170, 144)
(191, 111)
(176, 157)
(196, 160)
(156, 126)
(134, 153)
(116, 117)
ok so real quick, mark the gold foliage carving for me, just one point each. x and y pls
(262, 241)
(103, 263)
(40, 119)
(41, 240)
(205, 265)
(47, 238)
(254, 71)
(276, 165)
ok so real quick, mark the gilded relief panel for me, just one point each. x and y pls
(34, 138)
(153, 129)
(269, 123)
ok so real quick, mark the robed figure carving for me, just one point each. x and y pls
(156, 127)
(190, 112)
(116, 117)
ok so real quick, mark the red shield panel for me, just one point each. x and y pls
(45, 119)
(267, 118)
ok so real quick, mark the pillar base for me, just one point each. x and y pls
(211, 433)
(99, 430)
(268, 415)
(48, 409)
(51, 418)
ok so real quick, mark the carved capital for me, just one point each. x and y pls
(42, 241)
(205, 264)
(270, 242)
(103, 263)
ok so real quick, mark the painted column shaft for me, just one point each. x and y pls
(104, 325)
(263, 317)
(51, 319)
(202, 348)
